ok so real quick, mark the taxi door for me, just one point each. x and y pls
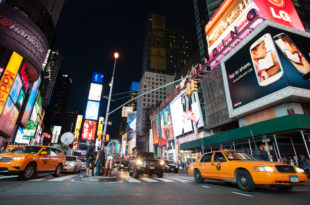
(204, 165)
(42, 163)
(221, 166)
(54, 158)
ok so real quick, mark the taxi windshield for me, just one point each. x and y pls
(238, 156)
(27, 150)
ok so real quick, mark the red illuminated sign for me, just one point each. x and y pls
(25, 77)
(89, 130)
(47, 135)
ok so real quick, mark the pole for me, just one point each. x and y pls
(293, 147)
(250, 146)
(234, 145)
(108, 106)
(303, 137)
(278, 150)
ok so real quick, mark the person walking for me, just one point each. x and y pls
(100, 159)
(110, 161)
(89, 157)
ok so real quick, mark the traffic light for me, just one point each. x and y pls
(194, 86)
(188, 89)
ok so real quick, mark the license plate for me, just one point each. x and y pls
(294, 179)
(152, 167)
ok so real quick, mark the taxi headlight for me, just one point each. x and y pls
(263, 169)
(139, 162)
(299, 170)
(18, 158)
(162, 162)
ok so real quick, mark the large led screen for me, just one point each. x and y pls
(89, 130)
(92, 110)
(273, 64)
(8, 117)
(21, 138)
(95, 92)
(55, 133)
(16, 88)
(97, 77)
(186, 114)
(31, 128)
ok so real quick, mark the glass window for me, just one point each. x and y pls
(219, 157)
(206, 158)
(53, 153)
(46, 149)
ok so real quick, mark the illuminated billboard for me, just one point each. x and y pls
(21, 137)
(126, 111)
(95, 92)
(100, 126)
(21, 98)
(97, 78)
(89, 130)
(272, 65)
(8, 77)
(8, 118)
(92, 110)
(78, 127)
(16, 88)
(30, 129)
(55, 133)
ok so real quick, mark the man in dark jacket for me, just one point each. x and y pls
(89, 156)
(100, 159)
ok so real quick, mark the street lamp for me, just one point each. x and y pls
(116, 55)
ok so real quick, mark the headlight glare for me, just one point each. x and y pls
(18, 158)
(299, 170)
(139, 162)
(263, 169)
(162, 162)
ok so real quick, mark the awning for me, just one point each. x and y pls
(280, 124)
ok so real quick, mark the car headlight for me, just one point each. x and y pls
(162, 162)
(72, 164)
(139, 162)
(299, 170)
(263, 169)
(18, 158)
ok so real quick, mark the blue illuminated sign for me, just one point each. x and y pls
(97, 78)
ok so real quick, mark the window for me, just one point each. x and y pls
(206, 158)
(219, 157)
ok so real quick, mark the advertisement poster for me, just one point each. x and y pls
(92, 110)
(21, 98)
(273, 59)
(8, 117)
(100, 126)
(21, 137)
(95, 92)
(30, 129)
(38, 136)
(16, 88)
(126, 111)
(89, 130)
(56, 130)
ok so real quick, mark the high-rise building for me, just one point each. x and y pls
(203, 12)
(303, 10)
(133, 91)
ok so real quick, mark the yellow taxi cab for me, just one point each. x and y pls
(28, 161)
(246, 171)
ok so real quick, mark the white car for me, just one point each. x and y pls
(73, 164)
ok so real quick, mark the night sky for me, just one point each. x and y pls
(90, 31)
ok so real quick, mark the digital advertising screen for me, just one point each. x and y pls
(95, 92)
(98, 78)
(271, 65)
(16, 88)
(100, 126)
(31, 128)
(8, 117)
(21, 98)
(21, 138)
(126, 110)
(92, 110)
(89, 130)
(55, 133)
(134, 86)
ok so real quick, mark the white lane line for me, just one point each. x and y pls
(206, 186)
(149, 180)
(37, 180)
(8, 177)
(164, 180)
(242, 194)
(179, 180)
(61, 178)
(130, 179)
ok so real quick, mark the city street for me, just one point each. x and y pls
(171, 189)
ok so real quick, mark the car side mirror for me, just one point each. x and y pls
(43, 153)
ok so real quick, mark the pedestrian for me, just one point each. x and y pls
(100, 159)
(89, 157)
(109, 162)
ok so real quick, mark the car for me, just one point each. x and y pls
(145, 163)
(73, 164)
(83, 162)
(28, 161)
(123, 165)
(246, 171)
(171, 166)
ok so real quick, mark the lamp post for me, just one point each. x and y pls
(110, 93)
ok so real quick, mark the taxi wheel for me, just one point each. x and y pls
(58, 170)
(244, 181)
(197, 176)
(29, 171)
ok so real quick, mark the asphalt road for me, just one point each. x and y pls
(171, 189)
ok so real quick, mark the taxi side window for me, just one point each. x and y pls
(54, 152)
(206, 158)
(57, 152)
(46, 149)
(219, 157)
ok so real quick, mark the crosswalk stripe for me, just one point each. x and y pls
(149, 180)
(8, 177)
(164, 180)
(37, 180)
(61, 178)
(130, 179)
(180, 180)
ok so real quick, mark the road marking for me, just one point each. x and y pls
(176, 179)
(37, 180)
(130, 179)
(242, 194)
(61, 178)
(206, 186)
(164, 180)
(8, 177)
(149, 180)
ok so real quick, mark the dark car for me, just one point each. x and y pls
(145, 163)
(123, 165)
(171, 166)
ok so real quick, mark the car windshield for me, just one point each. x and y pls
(71, 159)
(27, 150)
(239, 156)
(170, 162)
(146, 155)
